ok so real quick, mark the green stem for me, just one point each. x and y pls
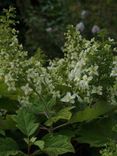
(29, 147)
(40, 97)
(46, 109)
(57, 127)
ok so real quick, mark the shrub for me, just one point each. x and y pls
(52, 102)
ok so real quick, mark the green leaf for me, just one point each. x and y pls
(7, 123)
(8, 104)
(40, 144)
(30, 140)
(62, 114)
(90, 113)
(97, 133)
(8, 147)
(33, 139)
(57, 144)
(39, 106)
(67, 132)
(26, 121)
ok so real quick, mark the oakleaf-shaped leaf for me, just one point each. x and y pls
(57, 144)
(26, 121)
(8, 147)
(97, 133)
(90, 113)
(64, 114)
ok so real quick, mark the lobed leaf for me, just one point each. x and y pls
(8, 147)
(26, 122)
(62, 114)
(57, 144)
(90, 113)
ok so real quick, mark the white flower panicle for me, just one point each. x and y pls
(83, 75)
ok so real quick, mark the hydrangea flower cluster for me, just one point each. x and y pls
(84, 75)
(87, 68)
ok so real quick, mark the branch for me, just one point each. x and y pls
(57, 127)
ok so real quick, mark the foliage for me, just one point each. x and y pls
(66, 94)
(110, 149)
(8, 147)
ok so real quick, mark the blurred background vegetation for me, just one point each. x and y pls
(42, 23)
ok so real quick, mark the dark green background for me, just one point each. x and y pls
(38, 16)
